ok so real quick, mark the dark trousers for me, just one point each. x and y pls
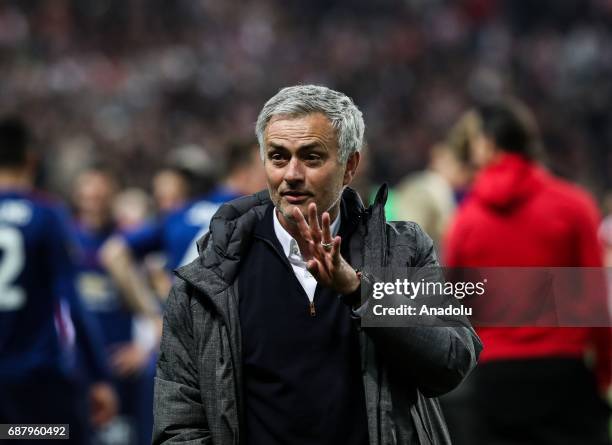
(537, 401)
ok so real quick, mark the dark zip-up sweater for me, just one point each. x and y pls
(302, 379)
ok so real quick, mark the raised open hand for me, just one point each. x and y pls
(322, 252)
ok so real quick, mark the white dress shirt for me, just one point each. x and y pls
(292, 251)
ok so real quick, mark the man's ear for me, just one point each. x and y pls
(351, 167)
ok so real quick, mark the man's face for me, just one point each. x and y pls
(170, 190)
(301, 164)
(482, 150)
(94, 194)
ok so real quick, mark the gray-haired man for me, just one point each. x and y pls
(262, 341)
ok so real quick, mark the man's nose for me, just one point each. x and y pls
(294, 172)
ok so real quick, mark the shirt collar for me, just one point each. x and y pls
(290, 246)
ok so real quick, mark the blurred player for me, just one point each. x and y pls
(189, 174)
(129, 338)
(131, 209)
(171, 189)
(41, 318)
(428, 197)
(176, 233)
(244, 174)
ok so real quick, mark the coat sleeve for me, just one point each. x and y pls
(178, 411)
(437, 356)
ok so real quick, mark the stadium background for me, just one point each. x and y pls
(128, 80)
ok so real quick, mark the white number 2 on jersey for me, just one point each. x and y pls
(12, 261)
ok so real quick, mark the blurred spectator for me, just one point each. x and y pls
(137, 78)
(531, 380)
(459, 140)
(129, 339)
(42, 322)
(428, 197)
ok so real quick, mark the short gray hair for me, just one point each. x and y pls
(301, 100)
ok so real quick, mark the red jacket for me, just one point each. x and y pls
(517, 214)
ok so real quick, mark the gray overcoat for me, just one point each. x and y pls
(198, 387)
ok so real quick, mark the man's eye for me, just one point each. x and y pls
(313, 157)
(275, 157)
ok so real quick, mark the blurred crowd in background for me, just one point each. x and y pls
(142, 109)
(130, 80)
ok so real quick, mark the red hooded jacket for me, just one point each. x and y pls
(517, 214)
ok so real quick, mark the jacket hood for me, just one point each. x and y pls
(229, 237)
(507, 183)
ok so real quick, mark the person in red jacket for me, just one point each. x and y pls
(532, 385)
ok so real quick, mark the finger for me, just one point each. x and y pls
(302, 224)
(313, 222)
(333, 259)
(327, 253)
(325, 220)
(329, 265)
(305, 242)
(310, 250)
(336, 249)
(320, 272)
(313, 268)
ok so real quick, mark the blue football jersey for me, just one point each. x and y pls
(41, 318)
(221, 194)
(98, 291)
(175, 234)
(102, 299)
